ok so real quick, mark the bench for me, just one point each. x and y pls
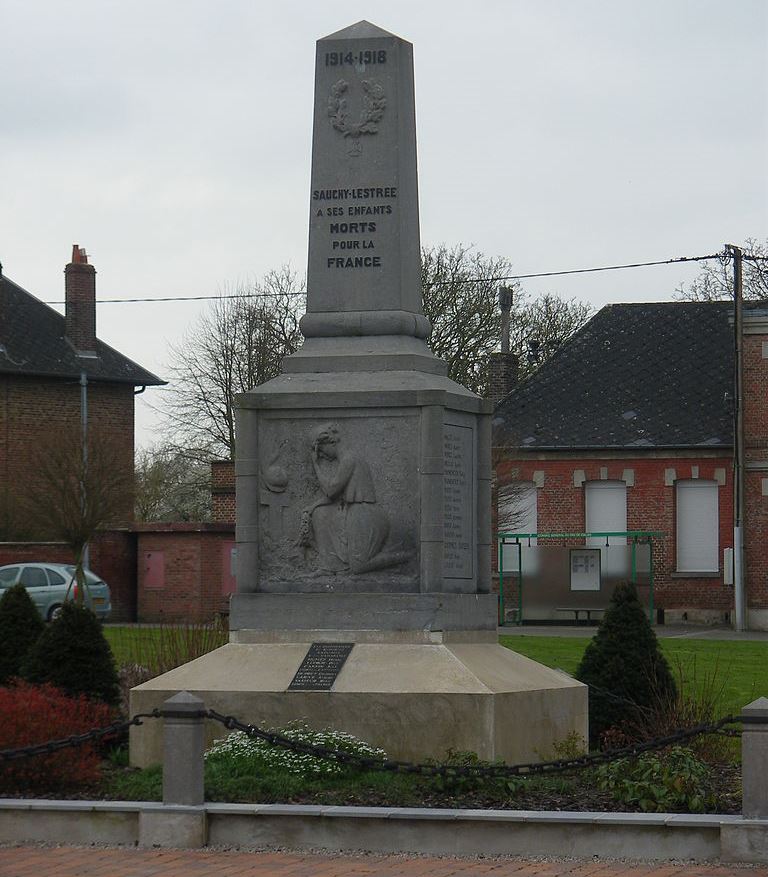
(577, 611)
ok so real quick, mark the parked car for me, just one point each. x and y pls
(51, 584)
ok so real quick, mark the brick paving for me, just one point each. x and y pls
(34, 861)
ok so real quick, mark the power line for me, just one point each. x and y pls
(113, 301)
(590, 270)
(250, 295)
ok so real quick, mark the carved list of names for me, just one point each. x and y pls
(457, 501)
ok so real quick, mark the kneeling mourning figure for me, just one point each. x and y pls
(345, 526)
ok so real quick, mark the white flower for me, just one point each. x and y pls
(239, 747)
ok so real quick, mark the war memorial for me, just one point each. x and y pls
(364, 599)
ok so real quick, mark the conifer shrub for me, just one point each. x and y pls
(625, 665)
(20, 627)
(73, 654)
(31, 714)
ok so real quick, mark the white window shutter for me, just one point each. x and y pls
(606, 511)
(698, 548)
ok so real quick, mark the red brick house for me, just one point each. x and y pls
(42, 358)
(630, 426)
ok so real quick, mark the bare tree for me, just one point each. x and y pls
(170, 486)
(73, 494)
(715, 282)
(460, 289)
(511, 503)
(237, 344)
(540, 326)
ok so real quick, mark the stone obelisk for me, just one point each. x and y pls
(363, 479)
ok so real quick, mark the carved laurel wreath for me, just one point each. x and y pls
(374, 103)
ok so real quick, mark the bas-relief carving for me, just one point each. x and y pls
(331, 520)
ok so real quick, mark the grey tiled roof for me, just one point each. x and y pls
(32, 342)
(635, 376)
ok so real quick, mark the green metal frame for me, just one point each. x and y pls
(637, 536)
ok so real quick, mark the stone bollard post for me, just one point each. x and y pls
(181, 820)
(183, 747)
(754, 759)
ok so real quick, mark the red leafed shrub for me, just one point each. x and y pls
(31, 714)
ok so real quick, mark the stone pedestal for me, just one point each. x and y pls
(413, 694)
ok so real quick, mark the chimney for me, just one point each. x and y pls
(80, 298)
(502, 376)
(503, 367)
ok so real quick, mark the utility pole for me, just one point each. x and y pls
(84, 440)
(739, 589)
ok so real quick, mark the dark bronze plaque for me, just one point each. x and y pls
(320, 667)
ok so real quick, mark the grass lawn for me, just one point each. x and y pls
(738, 669)
(129, 643)
(164, 647)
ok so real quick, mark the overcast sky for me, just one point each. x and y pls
(171, 139)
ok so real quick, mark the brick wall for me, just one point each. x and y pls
(223, 491)
(182, 571)
(650, 506)
(32, 410)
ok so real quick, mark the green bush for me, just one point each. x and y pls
(627, 673)
(20, 627)
(660, 781)
(73, 654)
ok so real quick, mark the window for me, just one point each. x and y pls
(605, 505)
(518, 513)
(33, 577)
(606, 511)
(54, 578)
(8, 576)
(697, 530)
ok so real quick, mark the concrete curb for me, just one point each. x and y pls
(655, 836)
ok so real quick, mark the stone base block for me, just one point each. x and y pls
(346, 612)
(747, 842)
(414, 700)
(180, 828)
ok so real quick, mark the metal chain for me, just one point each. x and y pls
(387, 764)
(491, 770)
(76, 739)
